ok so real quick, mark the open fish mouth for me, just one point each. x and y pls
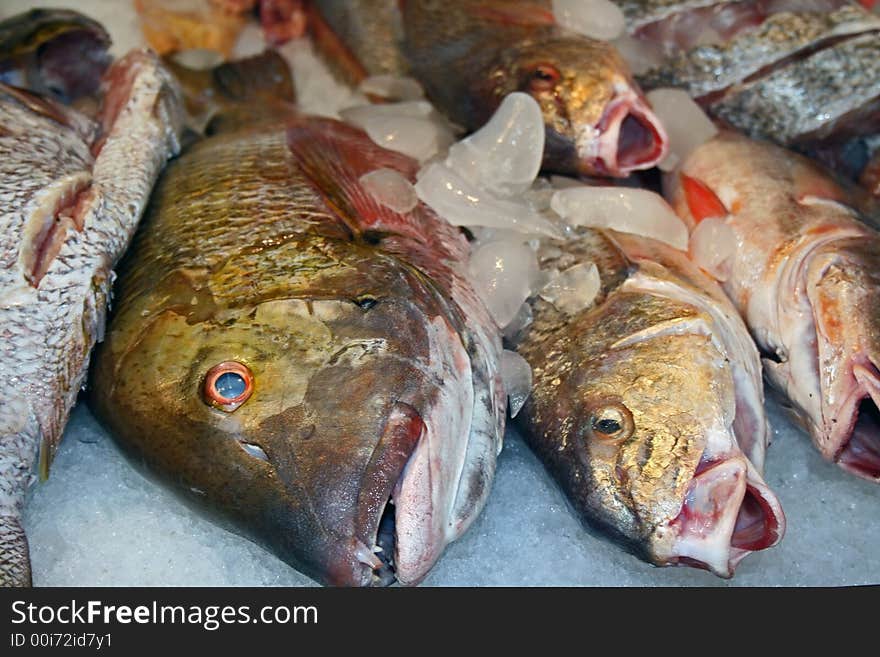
(728, 513)
(629, 137)
(856, 432)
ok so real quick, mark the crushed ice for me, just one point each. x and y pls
(410, 127)
(517, 376)
(573, 289)
(686, 124)
(713, 246)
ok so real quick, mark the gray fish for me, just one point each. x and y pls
(788, 75)
(73, 192)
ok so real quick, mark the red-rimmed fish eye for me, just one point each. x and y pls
(228, 385)
(543, 77)
(611, 422)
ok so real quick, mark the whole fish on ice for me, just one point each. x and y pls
(791, 71)
(73, 191)
(647, 406)
(307, 363)
(806, 278)
(470, 54)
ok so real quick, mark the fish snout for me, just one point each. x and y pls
(628, 137)
(728, 512)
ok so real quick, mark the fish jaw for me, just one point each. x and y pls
(629, 137)
(728, 512)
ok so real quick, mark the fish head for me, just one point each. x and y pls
(844, 343)
(298, 418)
(652, 455)
(598, 122)
(57, 52)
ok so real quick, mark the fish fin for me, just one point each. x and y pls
(702, 201)
(340, 58)
(523, 14)
(15, 562)
(334, 156)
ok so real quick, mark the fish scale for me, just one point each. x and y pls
(50, 324)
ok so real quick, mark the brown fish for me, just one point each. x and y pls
(647, 406)
(806, 278)
(470, 54)
(306, 363)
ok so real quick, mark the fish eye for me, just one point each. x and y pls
(612, 421)
(543, 77)
(228, 385)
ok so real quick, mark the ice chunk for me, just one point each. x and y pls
(523, 319)
(390, 189)
(463, 204)
(504, 156)
(686, 124)
(198, 58)
(502, 274)
(392, 87)
(574, 289)
(409, 128)
(641, 55)
(597, 19)
(517, 376)
(318, 92)
(627, 210)
(713, 246)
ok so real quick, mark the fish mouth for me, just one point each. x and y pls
(386, 508)
(728, 513)
(858, 426)
(629, 137)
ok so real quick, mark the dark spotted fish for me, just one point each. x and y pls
(73, 191)
(308, 364)
(647, 406)
(806, 278)
(792, 71)
(470, 54)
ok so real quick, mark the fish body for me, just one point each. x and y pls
(309, 365)
(73, 193)
(36, 48)
(789, 72)
(469, 55)
(805, 279)
(870, 177)
(647, 406)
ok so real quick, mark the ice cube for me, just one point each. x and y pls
(462, 203)
(597, 19)
(641, 55)
(713, 246)
(502, 273)
(686, 124)
(504, 156)
(574, 289)
(390, 189)
(392, 87)
(410, 128)
(625, 209)
(517, 376)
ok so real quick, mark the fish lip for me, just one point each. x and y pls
(382, 479)
(730, 534)
(855, 436)
(598, 146)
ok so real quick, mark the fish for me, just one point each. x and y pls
(469, 55)
(805, 278)
(74, 190)
(795, 73)
(647, 406)
(35, 49)
(311, 367)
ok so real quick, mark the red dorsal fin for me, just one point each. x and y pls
(702, 201)
(523, 14)
(334, 156)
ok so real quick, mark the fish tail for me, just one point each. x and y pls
(15, 562)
